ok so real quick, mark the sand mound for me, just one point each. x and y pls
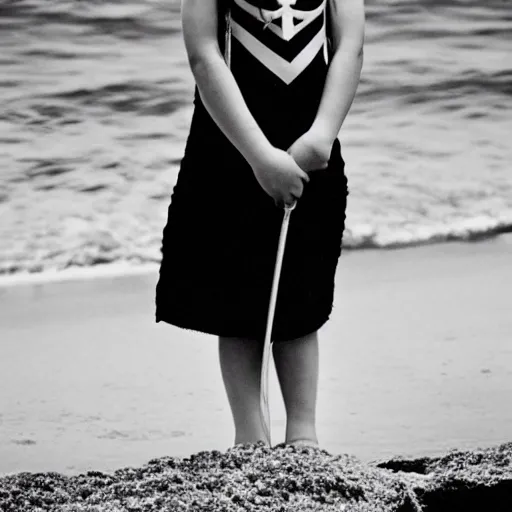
(254, 477)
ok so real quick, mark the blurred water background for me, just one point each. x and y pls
(96, 101)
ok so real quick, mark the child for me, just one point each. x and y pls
(263, 134)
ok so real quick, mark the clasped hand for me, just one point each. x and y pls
(282, 174)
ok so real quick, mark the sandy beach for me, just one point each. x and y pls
(416, 359)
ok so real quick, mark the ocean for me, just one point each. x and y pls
(96, 101)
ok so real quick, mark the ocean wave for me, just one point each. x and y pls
(123, 19)
(97, 102)
(108, 257)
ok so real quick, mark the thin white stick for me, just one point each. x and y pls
(265, 411)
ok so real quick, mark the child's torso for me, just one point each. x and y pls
(279, 59)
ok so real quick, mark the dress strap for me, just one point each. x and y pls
(227, 37)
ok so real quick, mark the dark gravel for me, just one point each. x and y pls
(254, 477)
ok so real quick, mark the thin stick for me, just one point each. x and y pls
(270, 319)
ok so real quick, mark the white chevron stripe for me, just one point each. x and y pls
(286, 71)
(306, 16)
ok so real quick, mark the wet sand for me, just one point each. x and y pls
(416, 359)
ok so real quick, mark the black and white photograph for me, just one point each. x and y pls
(255, 255)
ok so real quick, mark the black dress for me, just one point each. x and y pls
(220, 241)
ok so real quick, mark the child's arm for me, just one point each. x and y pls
(347, 20)
(275, 170)
(217, 86)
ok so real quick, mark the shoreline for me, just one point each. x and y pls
(415, 360)
(123, 268)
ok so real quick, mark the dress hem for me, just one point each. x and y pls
(219, 332)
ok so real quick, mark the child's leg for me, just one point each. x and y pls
(240, 362)
(296, 364)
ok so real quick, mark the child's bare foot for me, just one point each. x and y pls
(304, 442)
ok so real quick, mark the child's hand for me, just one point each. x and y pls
(311, 151)
(280, 176)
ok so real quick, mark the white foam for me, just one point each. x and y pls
(362, 235)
